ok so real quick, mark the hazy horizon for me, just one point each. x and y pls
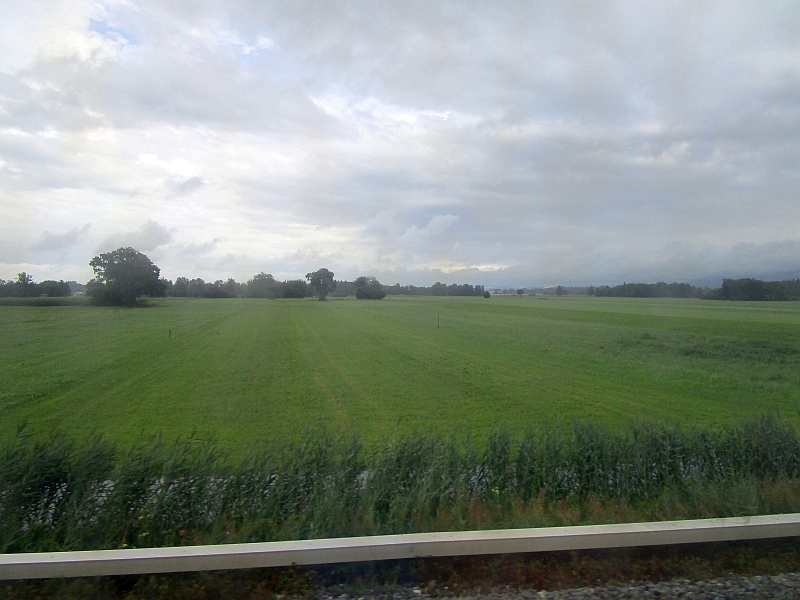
(507, 145)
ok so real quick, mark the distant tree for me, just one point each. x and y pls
(369, 288)
(215, 290)
(520, 292)
(6, 288)
(122, 276)
(322, 282)
(54, 288)
(262, 285)
(197, 287)
(487, 295)
(460, 290)
(755, 289)
(180, 289)
(234, 289)
(560, 290)
(344, 288)
(25, 286)
(75, 287)
(296, 288)
(439, 289)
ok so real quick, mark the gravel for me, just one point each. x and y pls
(772, 587)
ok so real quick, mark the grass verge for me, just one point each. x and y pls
(56, 495)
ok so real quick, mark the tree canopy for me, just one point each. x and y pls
(322, 282)
(369, 288)
(122, 276)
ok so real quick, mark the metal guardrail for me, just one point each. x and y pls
(384, 547)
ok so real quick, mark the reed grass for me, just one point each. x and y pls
(58, 495)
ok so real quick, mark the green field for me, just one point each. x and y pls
(244, 370)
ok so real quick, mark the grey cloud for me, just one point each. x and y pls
(185, 186)
(575, 142)
(148, 237)
(435, 227)
(200, 249)
(49, 242)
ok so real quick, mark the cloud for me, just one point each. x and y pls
(184, 187)
(541, 143)
(199, 249)
(177, 167)
(49, 242)
(435, 227)
(148, 237)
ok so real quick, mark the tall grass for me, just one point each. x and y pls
(56, 495)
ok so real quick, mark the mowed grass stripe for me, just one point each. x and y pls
(250, 370)
(779, 326)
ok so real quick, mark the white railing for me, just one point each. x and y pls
(384, 547)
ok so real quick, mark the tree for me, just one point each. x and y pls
(369, 288)
(321, 282)
(487, 295)
(181, 287)
(232, 289)
(197, 287)
(54, 288)
(294, 288)
(262, 285)
(6, 288)
(439, 289)
(122, 276)
(520, 292)
(25, 285)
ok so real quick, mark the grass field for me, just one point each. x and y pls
(245, 370)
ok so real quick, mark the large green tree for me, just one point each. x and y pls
(369, 288)
(321, 282)
(122, 276)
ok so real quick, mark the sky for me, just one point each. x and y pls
(502, 144)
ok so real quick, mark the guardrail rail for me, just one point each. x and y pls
(386, 547)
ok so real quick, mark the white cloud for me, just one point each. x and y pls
(215, 35)
(176, 166)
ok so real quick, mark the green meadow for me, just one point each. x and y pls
(242, 371)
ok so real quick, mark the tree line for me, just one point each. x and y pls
(746, 289)
(651, 290)
(437, 289)
(755, 289)
(25, 287)
(264, 285)
(126, 274)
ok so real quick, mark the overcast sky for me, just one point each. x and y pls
(518, 144)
